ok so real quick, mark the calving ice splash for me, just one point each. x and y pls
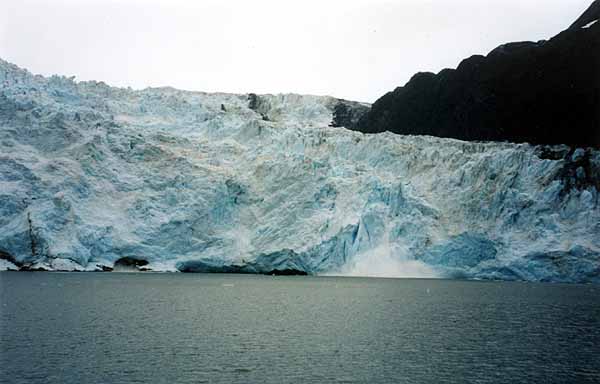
(168, 180)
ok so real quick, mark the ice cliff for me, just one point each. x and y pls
(92, 175)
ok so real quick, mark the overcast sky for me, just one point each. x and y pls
(354, 49)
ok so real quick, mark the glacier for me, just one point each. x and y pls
(172, 180)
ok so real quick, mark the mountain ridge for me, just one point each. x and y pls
(543, 93)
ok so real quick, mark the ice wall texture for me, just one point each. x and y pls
(190, 181)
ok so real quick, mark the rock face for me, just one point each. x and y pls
(95, 176)
(348, 113)
(545, 92)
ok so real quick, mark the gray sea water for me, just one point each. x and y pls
(196, 328)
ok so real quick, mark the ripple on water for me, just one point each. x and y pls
(164, 328)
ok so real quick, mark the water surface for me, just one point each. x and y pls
(196, 328)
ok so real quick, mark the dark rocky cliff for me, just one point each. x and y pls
(545, 92)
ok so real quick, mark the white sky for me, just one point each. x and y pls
(354, 49)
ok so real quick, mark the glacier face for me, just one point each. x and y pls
(190, 181)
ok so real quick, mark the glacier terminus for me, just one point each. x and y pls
(94, 177)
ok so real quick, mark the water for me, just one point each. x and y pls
(179, 328)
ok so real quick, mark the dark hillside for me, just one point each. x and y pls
(546, 92)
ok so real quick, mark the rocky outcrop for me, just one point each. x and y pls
(348, 113)
(544, 93)
(591, 15)
(129, 263)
